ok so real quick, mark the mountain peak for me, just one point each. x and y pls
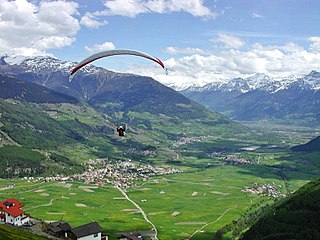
(43, 63)
(260, 76)
(2, 61)
(313, 79)
(314, 73)
(14, 60)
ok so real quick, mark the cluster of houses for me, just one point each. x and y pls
(231, 159)
(187, 140)
(270, 190)
(123, 174)
(141, 152)
(236, 160)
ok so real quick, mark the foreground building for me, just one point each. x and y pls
(89, 231)
(11, 212)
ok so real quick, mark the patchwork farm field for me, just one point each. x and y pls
(193, 205)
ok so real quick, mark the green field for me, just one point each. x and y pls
(192, 204)
(11, 233)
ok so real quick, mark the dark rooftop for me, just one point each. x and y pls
(60, 226)
(87, 229)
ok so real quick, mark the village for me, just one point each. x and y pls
(237, 160)
(120, 173)
(270, 190)
(186, 140)
(231, 159)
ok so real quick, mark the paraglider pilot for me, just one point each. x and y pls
(121, 130)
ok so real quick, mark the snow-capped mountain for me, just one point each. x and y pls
(261, 82)
(54, 74)
(313, 79)
(42, 64)
(261, 97)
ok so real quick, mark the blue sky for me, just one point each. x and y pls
(200, 41)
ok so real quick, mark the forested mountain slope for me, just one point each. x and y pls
(296, 217)
(312, 146)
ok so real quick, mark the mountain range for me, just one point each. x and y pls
(262, 98)
(292, 99)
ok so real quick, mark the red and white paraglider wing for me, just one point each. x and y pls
(113, 53)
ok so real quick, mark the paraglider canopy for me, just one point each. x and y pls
(113, 53)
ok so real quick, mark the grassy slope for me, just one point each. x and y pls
(80, 133)
(75, 131)
(297, 217)
(12, 233)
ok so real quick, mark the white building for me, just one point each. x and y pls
(11, 212)
(90, 231)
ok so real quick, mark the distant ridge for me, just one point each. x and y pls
(263, 98)
(312, 146)
(13, 88)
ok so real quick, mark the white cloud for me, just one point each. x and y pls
(132, 8)
(228, 41)
(30, 29)
(275, 61)
(128, 8)
(256, 15)
(188, 50)
(91, 21)
(315, 43)
(25, 51)
(101, 47)
(54, 42)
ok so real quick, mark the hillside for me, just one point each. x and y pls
(40, 130)
(31, 135)
(14, 233)
(13, 88)
(312, 146)
(296, 217)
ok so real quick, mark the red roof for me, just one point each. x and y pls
(12, 206)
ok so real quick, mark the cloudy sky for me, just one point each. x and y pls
(199, 41)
